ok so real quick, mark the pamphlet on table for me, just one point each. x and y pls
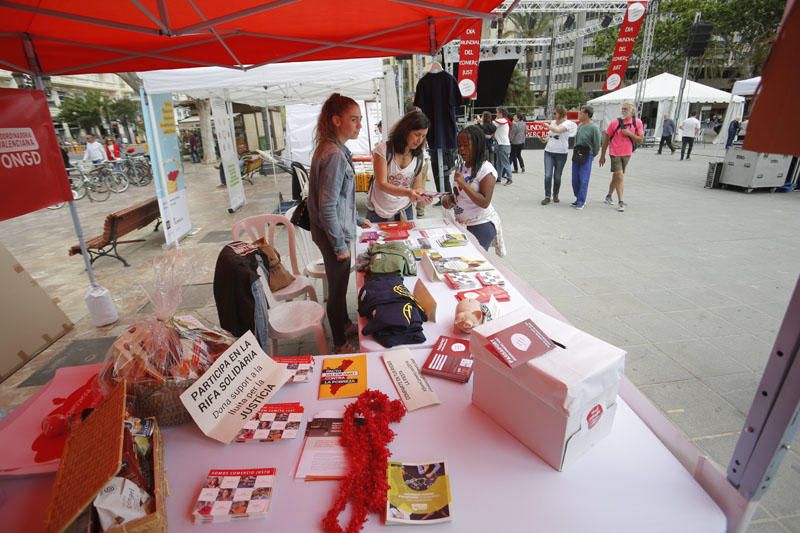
(419, 493)
(343, 377)
(302, 366)
(275, 421)
(519, 343)
(450, 358)
(323, 456)
(414, 390)
(234, 495)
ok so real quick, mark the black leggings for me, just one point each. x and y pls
(516, 156)
(338, 275)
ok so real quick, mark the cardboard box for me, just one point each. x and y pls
(559, 404)
(92, 456)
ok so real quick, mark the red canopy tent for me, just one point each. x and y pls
(101, 36)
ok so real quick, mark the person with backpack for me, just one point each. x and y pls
(399, 182)
(488, 128)
(621, 136)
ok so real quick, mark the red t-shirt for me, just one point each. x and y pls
(619, 144)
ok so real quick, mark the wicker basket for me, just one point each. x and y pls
(161, 401)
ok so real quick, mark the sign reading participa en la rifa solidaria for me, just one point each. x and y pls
(234, 388)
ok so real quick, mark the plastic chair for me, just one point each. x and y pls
(310, 256)
(263, 226)
(301, 174)
(290, 320)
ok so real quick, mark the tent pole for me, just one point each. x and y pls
(269, 138)
(33, 63)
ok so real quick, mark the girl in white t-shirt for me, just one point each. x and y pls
(399, 181)
(471, 198)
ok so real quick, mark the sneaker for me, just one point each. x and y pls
(523, 170)
(546, 201)
(344, 348)
(574, 204)
(609, 201)
(509, 182)
(580, 206)
(221, 185)
(621, 207)
(555, 199)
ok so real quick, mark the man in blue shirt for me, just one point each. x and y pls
(667, 131)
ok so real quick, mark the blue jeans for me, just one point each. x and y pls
(553, 167)
(502, 159)
(580, 179)
(372, 216)
(485, 232)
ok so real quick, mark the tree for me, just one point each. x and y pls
(519, 94)
(743, 33)
(83, 109)
(123, 110)
(571, 98)
(528, 26)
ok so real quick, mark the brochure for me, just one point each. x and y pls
(419, 493)
(453, 240)
(275, 421)
(323, 457)
(450, 358)
(517, 344)
(491, 277)
(461, 280)
(302, 366)
(411, 386)
(233, 389)
(234, 494)
(343, 377)
(485, 293)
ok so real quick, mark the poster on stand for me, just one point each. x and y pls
(165, 157)
(223, 124)
(468, 58)
(31, 169)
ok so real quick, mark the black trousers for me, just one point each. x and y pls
(338, 275)
(665, 139)
(687, 142)
(448, 162)
(516, 157)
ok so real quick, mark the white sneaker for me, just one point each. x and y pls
(621, 207)
(609, 201)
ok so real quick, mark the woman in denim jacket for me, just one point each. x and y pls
(331, 207)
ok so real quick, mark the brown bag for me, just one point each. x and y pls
(278, 277)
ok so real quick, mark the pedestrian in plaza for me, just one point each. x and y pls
(517, 139)
(733, 130)
(587, 145)
(397, 163)
(621, 136)
(94, 151)
(488, 128)
(473, 188)
(194, 147)
(742, 130)
(690, 128)
(332, 209)
(503, 150)
(667, 132)
(555, 152)
(112, 152)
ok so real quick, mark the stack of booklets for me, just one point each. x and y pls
(343, 377)
(419, 246)
(301, 365)
(419, 493)
(453, 240)
(450, 358)
(484, 294)
(275, 421)
(461, 280)
(323, 456)
(234, 495)
(491, 277)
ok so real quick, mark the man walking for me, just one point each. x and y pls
(667, 132)
(94, 151)
(517, 139)
(690, 128)
(503, 151)
(587, 145)
(621, 135)
(733, 130)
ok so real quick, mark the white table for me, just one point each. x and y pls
(445, 296)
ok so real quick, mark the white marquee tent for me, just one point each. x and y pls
(664, 89)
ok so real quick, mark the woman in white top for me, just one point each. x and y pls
(473, 189)
(503, 152)
(555, 152)
(399, 181)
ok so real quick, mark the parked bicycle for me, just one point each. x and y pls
(137, 169)
(91, 183)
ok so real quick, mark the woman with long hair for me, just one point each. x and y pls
(399, 181)
(331, 207)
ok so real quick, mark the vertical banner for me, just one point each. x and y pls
(223, 125)
(32, 174)
(628, 31)
(165, 157)
(469, 55)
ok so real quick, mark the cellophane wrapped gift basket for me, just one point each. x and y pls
(162, 356)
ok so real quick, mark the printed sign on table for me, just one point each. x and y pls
(31, 169)
(628, 31)
(165, 155)
(234, 389)
(469, 55)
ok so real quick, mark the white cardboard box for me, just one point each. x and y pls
(559, 404)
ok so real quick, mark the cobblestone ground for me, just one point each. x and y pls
(693, 283)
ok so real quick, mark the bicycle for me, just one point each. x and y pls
(137, 169)
(116, 181)
(89, 183)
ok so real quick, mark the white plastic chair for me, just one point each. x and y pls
(302, 177)
(290, 320)
(310, 256)
(253, 228)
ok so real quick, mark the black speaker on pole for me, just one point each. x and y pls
(699, 39)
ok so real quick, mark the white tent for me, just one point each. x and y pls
(746, 87)
(663, 89)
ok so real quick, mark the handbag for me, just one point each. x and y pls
(580, 153)
(277, 277)
(300, 216)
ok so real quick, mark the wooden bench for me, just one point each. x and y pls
(118, 225)
(252, 166)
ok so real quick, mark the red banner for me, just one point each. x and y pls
(32, 174)
(468, 58)
(634, 15)
(538, 128)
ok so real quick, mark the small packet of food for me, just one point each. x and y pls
(119, 502)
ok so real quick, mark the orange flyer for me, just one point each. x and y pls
(343, 377)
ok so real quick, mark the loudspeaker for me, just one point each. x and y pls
(698, 39)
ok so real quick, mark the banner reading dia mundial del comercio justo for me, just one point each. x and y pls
(628, 31)
(165, 155)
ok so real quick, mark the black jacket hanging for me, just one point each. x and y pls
(438, 97)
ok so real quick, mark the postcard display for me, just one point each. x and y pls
(558, 404)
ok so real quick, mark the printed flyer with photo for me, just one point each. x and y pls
(419, 493)
(323, 457)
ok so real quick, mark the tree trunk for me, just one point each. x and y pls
(206, 133)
